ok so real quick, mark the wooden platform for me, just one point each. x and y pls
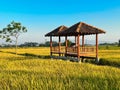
(82, 54)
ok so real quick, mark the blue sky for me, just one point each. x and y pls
(42, 16)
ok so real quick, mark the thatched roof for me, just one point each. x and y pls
(56, 31)
(81, 29)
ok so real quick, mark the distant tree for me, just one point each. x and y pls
(68, 42)
(54, 43)
(29, 44)
(12, 32)
(119, 43)
(47, 43)
(41, 44)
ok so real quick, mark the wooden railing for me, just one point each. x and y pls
(87, 49)
(56, 49)
(74, 49)
(82, 49)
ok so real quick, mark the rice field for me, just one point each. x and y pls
(32, 69)
(110, 56)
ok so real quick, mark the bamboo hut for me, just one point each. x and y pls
(77, 30)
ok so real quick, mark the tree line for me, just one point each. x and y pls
(35, 44)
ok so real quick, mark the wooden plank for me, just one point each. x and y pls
(75, 41)
(78, 46)
(96, 45)
(82, 43)
(50, 45)
(59, 45)
(66, 44)
(82, 40)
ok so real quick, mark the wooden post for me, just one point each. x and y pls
(83, 49)
(59, 46)
(78, 46)
(75, 44)
(97, 48)
(51, 46)
(75, 41)
(66, 44)
(82, 43)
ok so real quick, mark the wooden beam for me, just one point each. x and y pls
(82, 40)
(75, 41)
(82, 43)
(96, 45)
(78, 46)
(59, 46)
(50, 45)
(66, 44)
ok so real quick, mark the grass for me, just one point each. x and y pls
(32, 69)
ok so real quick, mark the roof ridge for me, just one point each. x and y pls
(62, 27)
(56, 31)
(79, 26)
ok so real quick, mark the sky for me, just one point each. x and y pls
(42, 16)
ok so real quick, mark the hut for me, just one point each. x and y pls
(77, 30)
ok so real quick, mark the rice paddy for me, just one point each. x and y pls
(32, 69)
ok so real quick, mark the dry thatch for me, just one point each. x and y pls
(77, 29)
(56, 31)
(81, 29)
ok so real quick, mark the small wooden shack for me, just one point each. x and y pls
(77, 30)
